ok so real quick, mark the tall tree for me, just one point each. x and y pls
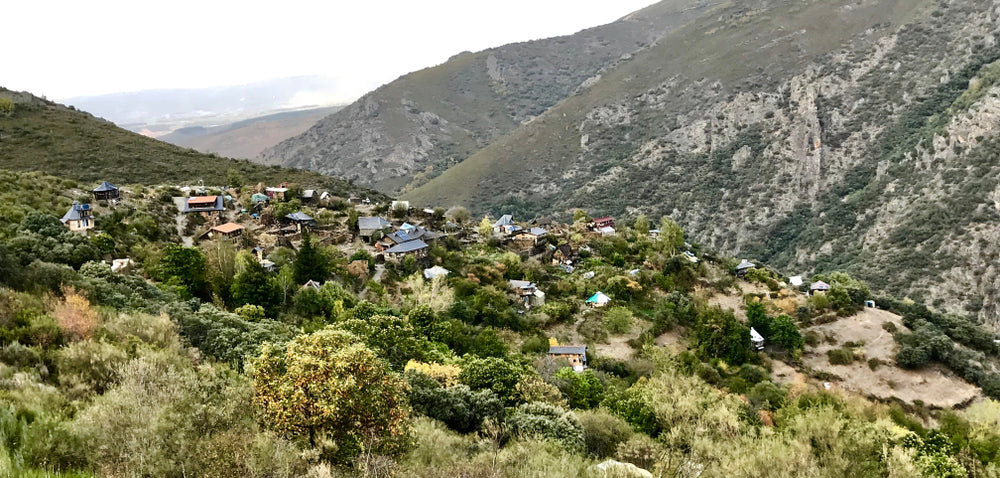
(330, 389)
(254, 285)
(310, 263)
(185, 267)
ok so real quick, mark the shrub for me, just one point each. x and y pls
(767, 396)
(641, 451)
(459, 407)
(548, 421)
(494, 374)
(582, 390)
(840, 356)
(618, 320)
(603, 432)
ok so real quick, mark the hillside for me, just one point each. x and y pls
(812, 135)
(247, 138)
(425, 121)
(40, 135)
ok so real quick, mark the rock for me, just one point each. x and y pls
(617, 469)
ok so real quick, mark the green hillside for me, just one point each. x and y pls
(400, 135)
(40, 135)
(812, 135)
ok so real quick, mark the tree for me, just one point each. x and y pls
(462, 409)
(549, 422)
(671, 236)
(582, 390)
(494, 374)
(352, 221)
(233, 178)
(785, 334)
(6, 106)
(757, 319)
(618, 320)
(579, 216)
(485, 227)
(253, 285)
(330, 389)
(459, 214)
(186, 266)
(310, 263)
(719, 335)
(642, 225)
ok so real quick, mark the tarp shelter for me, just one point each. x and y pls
(757, 339)
(599, 299)
(435, 272)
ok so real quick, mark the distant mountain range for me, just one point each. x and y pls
(248, 138)
(159, 112)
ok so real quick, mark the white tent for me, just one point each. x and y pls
(435, 272)
(757, 339)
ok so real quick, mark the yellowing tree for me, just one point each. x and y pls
(485, 227)
(329, 388)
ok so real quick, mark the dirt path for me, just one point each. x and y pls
(179, 219)
(934, 385)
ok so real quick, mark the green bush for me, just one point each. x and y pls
(462, 409)
(840, 356)
(603, 432)
(618, 320)
(581, 389)
(548, 421)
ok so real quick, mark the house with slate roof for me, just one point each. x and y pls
(105, 192)
(368, 226)
(530, 236)
(505, 225)
(743, 267)
(415, 247)
(301, 220)
(819, 287)
(575, 354)
(79, 218)
(229, 230)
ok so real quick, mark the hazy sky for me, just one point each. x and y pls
(70, 48)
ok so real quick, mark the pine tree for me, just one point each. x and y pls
(310, 262)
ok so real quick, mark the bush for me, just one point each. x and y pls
(840, 356)
(462, 409)
(618, 320)
(603, 432)
(548, 421)
(582, 390)
(494, 374)
(767, 396)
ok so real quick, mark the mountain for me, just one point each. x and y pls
(425, 121)
(157, 112)
(816, 136)
(40, 135)
(248, 138)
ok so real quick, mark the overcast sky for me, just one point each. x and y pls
(71, 48)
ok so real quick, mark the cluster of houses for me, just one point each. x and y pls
(80, 217)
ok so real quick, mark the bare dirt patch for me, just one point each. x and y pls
(934, 385)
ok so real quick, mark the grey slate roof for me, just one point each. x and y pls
(372, 223)
(76, 212)
(409, 246)
(745, 264)
(299, 217)
(568, 349)
(538, 231)
(504, 220)
(105, 186)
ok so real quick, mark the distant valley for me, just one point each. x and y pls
(249, 137)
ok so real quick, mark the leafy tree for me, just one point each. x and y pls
(579, 216)
(603, 432)
(671, 236)
(485, 227)
(393, 339)
(757, 319)
(719, 335)
(254, 285)
(785, 334)
(330, 389)
(641, 225)
(494, 374)
(459, 214)
(618, 320)
(6, 106)
(462, 409)
(234, 178)
(310, 263)
(352, 221)
(582, 390)
(187, 266)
